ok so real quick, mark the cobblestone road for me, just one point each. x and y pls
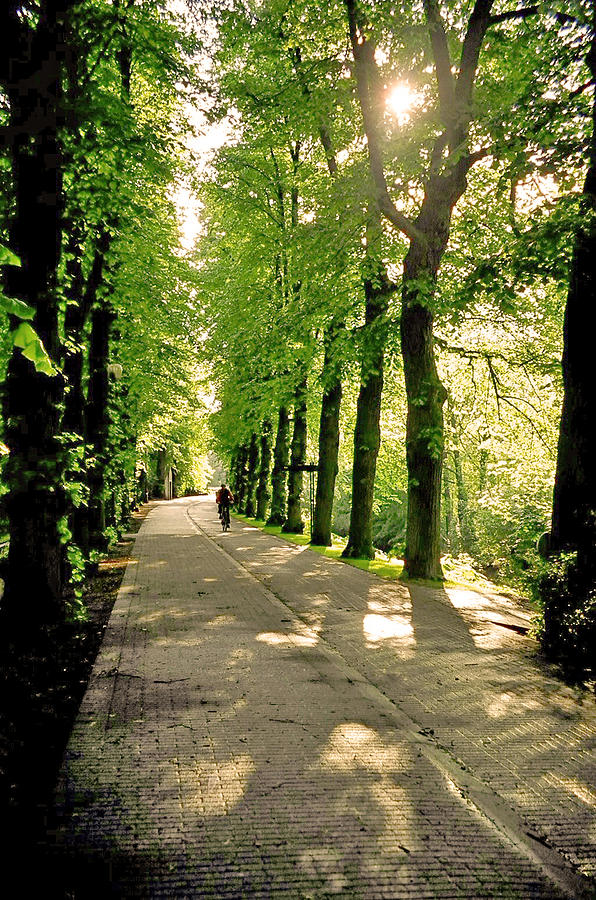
(264, 722)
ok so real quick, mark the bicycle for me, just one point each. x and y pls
(225, 517)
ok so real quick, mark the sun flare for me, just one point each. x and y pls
(400, 101)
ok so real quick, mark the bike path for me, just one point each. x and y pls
(265, 722)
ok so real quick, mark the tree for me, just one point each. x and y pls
(574, 499)
(85, 159)
(32, 77)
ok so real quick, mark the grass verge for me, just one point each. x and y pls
(458, 573)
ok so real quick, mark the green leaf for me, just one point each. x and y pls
(15, 307)
(8, 258)
(32, 348)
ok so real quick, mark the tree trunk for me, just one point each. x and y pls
(328, 444)
(424, 427)
(252, 476)
(262, 489)
(367, 433)
(98, 420)
(240, 493)
(34, 470)
(294, 523)
(464, 515)
(277, 516)
(232, 471)
(451, 537)
(574, 496)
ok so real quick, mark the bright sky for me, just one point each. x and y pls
(203, 143)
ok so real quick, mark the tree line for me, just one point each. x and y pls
(101, 387)
(342, 239)
(383, 291)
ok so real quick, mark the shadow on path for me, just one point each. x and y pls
(230, 745)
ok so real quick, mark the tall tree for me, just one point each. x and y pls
(574, 499)
(32, 77)
(327, 465)
(367, 432)
(428, 234)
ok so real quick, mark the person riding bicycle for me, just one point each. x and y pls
(223, 498)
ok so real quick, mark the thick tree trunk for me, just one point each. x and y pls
(281, 452)
(574, 497)
(34, 470)
(252, 476)
(265, 456)
(367, 433)
(98, 421)
(424, 427)
(294, 523)
(328, 445)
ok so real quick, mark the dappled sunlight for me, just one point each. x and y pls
(389, 619)
(242, 654)
(327, 865)
(276, 638)
(382, 628)
(389, 606)
(355, 747)
(579, 789)
(500, 705)
(490, 639)
(487, 608)
(399, 817)
(467, 599)
(353, 744)
(165, 613)
(218, 621)
(214, 788)
(227, 711)
(167, 643)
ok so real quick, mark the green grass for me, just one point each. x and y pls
(382, 565)
(458, 573)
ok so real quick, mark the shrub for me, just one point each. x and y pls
(566, 592)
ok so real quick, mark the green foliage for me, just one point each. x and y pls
(24, 337)
(566, 591)
(28, 341)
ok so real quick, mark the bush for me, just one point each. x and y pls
(389, 527)
(566, 592)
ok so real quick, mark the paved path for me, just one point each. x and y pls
(265, 722)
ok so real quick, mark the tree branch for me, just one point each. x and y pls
(366, 71)
(440, 48)
(512, 14)
(477, 25)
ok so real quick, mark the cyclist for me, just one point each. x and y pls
(223, 498)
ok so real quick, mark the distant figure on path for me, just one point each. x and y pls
(223, 498)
